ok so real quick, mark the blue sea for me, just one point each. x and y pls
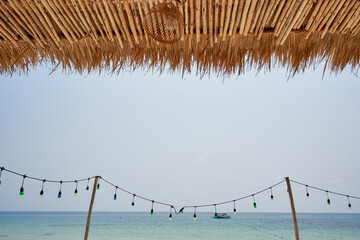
(140, 226)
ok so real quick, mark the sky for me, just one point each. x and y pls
(183, 141)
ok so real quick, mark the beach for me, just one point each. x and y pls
(141, 226)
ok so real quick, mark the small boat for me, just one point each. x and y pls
(221, 216)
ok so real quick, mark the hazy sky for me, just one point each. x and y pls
(182, 141)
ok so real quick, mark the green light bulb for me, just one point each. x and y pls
(98, 186)
(328, 201)
(152, 212)
(21, 191)
(254, 204)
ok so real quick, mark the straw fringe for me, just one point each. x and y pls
(224, 36)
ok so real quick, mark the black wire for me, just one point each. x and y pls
(324, 190)
(39, 179)
(237, 199)
(141, 197)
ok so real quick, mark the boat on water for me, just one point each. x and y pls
(221, 216)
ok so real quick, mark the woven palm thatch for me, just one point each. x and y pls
(224, 36)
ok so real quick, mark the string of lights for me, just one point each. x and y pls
(116, 188)
(171, 206)
(61, 182)
(24, 177)
(134, 195)
(40, 179)
(192, 206)
(326, 191)
(235, 200)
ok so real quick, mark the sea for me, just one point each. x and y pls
(141, 226)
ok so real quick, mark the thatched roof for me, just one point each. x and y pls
(225, 36)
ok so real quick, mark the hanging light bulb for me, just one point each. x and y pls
(194, 213)
(59, 194)
(328, 199)
(133, 203)
(98, 185)
(42, 188)
(76, 190)
(307, 192)
(170, 215)
(115, 196)
(1, 169)
(254, 201)
(152, 208)
(87, 186)
(22, 186)
(234, 208)
(215, 210)
(272, 196)
(349, 204)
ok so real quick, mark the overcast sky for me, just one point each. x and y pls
(183, 141)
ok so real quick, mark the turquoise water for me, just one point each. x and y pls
(136, 226)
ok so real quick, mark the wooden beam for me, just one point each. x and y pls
(296, 229)
(90, 208)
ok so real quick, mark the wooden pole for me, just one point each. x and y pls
(296, 229)
(90, 208)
